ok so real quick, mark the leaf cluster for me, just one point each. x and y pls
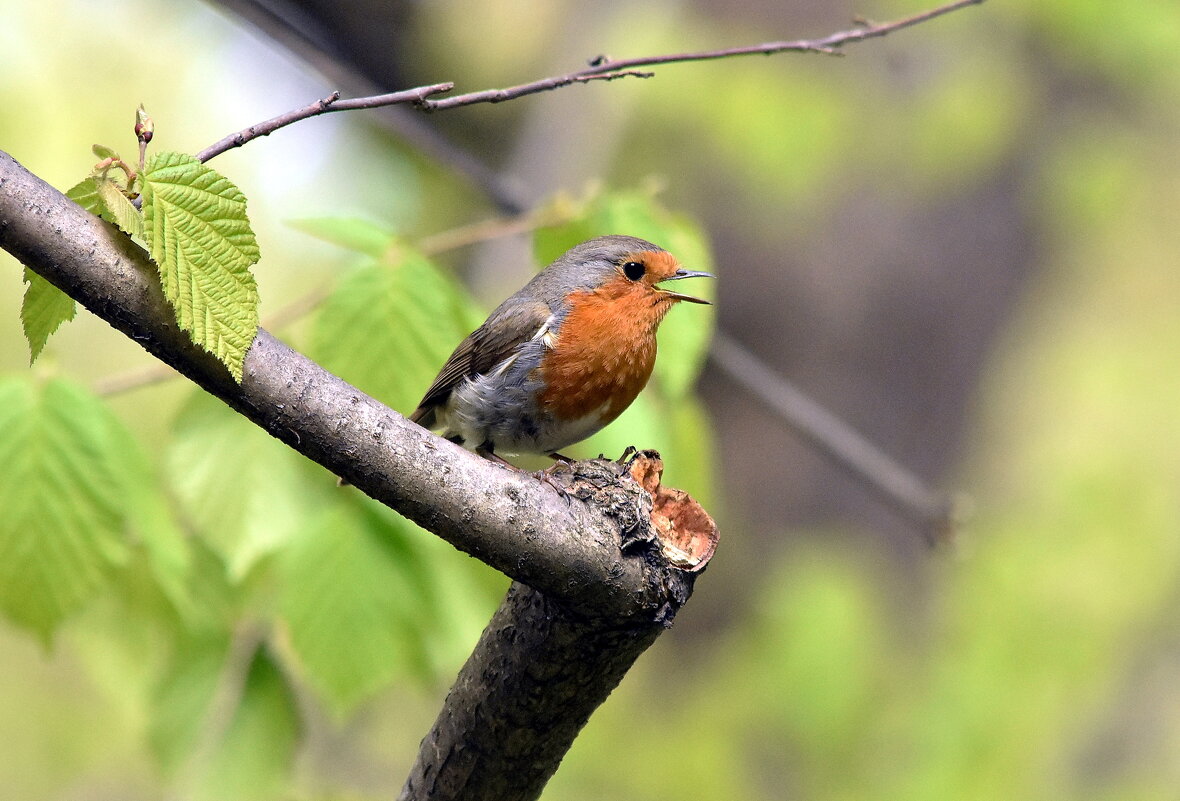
(194, 226)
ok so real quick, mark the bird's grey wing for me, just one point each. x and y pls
(509, 327)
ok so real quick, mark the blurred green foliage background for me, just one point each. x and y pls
(963, 238)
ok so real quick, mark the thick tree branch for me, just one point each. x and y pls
(535, 677)
(510, 520)
(554, 650)
(556, 647)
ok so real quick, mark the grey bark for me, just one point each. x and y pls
(535, 677)
(552, 653)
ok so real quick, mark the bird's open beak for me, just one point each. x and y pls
(686, 274)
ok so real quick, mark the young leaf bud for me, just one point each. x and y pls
(144, 127)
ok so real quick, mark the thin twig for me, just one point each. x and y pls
(154, 373)
(601, 68)
(324, 106)
(828, 45)
(933, 512)
(302, 39)
(608, 67)
(532, 88)
(495, 228)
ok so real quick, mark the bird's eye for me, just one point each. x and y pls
(634, 270)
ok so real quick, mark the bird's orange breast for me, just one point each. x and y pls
(604, 351)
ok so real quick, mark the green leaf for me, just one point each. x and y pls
(104, 197)
(218, 600)
(244, 491)
(255, 757)
(85, 194)
(104, 152)
(368, 597)
(348, 607)
(61, 526)
(551, 242)
(45, 307)
(685, 333)
(152, 520)
(389, 327)
(181, 702)
(43, 310)
(197, 232)
(116, 208)
(351, 233)
(452, 595)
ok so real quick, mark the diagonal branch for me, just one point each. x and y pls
(327, 105)
(554, 650)
(827, 45)
(934, 514)
(557, 647)
(509, 520)
(602, 68)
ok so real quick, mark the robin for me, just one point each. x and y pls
(562, 357)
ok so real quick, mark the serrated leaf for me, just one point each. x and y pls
(61, 526)
(240, 488)
(685, 333)
(368, 596)
(116, 208)
(255, 757)
(49, 307)
(351, 233)
(103, 197)
(197, 232)
(389, 327)
(348, 608)
(85, 194)
(42, 311)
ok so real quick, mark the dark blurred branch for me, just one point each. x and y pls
(934, 513)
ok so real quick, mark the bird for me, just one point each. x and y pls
(562, 357)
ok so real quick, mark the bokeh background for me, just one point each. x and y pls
(961, 239)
